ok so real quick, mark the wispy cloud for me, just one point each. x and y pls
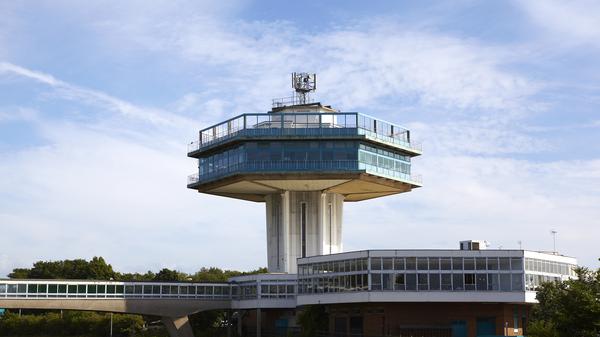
(571, 22)
(73, 92)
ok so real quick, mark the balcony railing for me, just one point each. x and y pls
(291, 100)
(305, 124)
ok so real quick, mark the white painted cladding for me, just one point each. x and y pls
(321, 233)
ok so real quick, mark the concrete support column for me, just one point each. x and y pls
(301, 224)
(258, 323)
(178, 326)
(239, 322)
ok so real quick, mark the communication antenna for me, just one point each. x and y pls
(303, 84)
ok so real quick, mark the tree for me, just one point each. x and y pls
(78, 269)
(570, 308)
(167, 275)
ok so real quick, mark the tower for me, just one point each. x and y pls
(303, 160)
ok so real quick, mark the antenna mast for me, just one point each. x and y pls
(303, 84)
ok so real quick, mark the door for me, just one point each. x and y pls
(486, 326)
(459, 329)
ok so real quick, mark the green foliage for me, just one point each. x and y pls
(167, 275)
(73, 323)
(313, 319)
(148, 276)
(214, 274)
(208, 323)
(78, 269)
(541, 329)
(568, 309)
(98, 269)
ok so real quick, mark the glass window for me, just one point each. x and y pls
(434, 281)
(423, 281)
(446, 281)
(457, 263)
(110, 289)
(422, 263)
(52, 289)
(480, 263)
(504, 263)
(376, 281)
(128, 289)
(492, 263)
(81, 289)
(387, 263)
(101, 289)
(481, 282)
(119, 289)
(457, 282)
(375, 263)
(399, 263)
(493, 282)
(469, 263)
(411, 281)
(72, 289)
(137, 289)
(434, 263)
(388, 281)
(400, 282)
(517, 282)
(92, 288)
(505, 282)
(516, 263)
(411, 263)
(445, 264)
(469, 281)
(32, 288)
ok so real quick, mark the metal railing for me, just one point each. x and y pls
(291, 100)
(305, 124)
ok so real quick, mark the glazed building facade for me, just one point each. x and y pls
(304, 161)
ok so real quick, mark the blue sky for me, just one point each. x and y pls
(99, 99)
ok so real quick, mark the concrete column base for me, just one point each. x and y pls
(178, 326)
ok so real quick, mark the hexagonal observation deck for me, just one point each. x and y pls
(304, 160)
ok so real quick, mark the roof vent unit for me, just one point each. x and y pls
(473, 245)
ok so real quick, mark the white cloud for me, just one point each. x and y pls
(359, 65)
(572, 22)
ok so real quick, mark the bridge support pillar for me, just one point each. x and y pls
(178, 326)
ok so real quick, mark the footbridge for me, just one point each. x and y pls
(172, 301)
